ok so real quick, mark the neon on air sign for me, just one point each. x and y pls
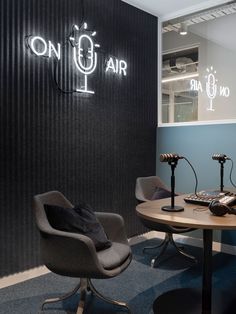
(84, 54)
(211, 87)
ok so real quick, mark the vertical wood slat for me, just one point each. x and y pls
(91, 148)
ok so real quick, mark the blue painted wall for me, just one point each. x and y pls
(198, 143)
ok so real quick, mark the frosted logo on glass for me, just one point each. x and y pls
(211, 87)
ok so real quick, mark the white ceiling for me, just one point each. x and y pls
(217, 31)
(167, 9)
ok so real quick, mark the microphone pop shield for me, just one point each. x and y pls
(169, 157)
(220, 157)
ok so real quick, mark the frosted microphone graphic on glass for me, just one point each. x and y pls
(211, 87)
(84, 55)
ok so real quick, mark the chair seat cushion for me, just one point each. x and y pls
(80, 219)
(114, 256)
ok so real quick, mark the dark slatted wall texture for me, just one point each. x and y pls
(91, 147)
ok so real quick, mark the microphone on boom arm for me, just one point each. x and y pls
(221, 158)
(172, 160)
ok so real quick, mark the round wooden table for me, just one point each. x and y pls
(193, 216)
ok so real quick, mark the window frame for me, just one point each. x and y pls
(209, 5)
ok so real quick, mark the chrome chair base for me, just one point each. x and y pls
(85, 286)
(58, 299)
(154, 247)
(108, 300)
(164, 244)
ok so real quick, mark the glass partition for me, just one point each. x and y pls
(198, 68)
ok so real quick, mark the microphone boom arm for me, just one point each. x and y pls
(173, 166)
(172, 207)
(221, 175)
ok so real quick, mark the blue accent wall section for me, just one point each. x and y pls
(198, 143)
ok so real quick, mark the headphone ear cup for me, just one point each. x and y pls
(212, 203)
(219, 209)
(232, 211)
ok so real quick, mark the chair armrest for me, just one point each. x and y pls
(114, 226)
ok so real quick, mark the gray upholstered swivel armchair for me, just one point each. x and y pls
(74, 255)
(144, 191)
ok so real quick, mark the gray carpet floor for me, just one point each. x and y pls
(139, 285)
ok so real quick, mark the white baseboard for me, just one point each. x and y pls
(23, 276)
(42, 270)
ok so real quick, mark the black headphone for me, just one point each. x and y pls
(219, 209)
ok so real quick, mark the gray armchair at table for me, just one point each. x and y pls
(74, 255)
(144, 191)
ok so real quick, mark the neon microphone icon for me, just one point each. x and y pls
(211, 89)
(85, 58)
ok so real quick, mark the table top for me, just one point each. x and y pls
(193, 216)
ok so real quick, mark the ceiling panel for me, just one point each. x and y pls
(173, 8)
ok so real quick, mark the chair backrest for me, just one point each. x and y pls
(62, 252)
(51, 198)
(146, 186)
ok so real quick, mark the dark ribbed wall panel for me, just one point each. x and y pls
(91, 148)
